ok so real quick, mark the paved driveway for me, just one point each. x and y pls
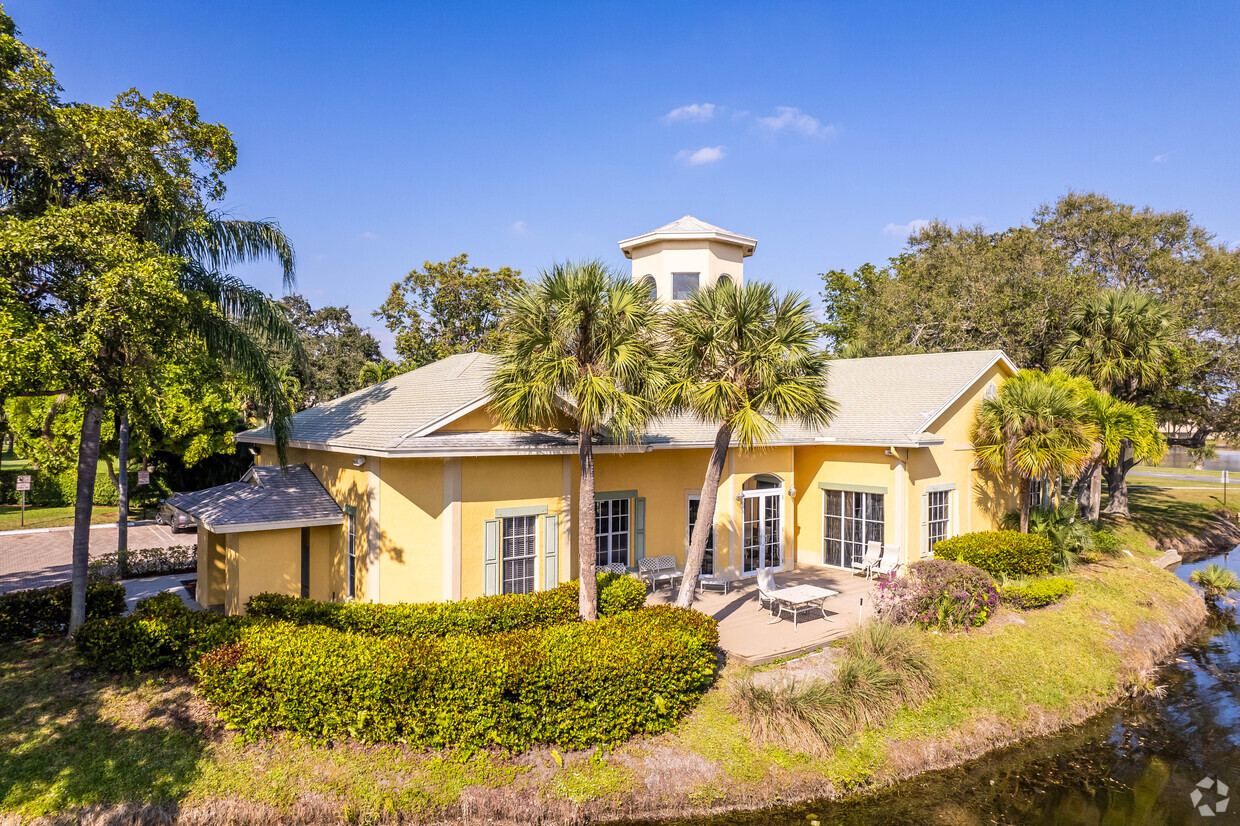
(34, 559)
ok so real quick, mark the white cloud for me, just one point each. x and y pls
(692, 113)
(518, 229)
(905, 230)
(707, 154)
(1162, 157)
(370, 236)
(793, 119)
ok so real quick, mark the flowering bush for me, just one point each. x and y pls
(937, 593)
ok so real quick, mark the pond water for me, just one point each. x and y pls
(1178, 457)
(1130, 765)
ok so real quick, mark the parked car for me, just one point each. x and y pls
(175, 518)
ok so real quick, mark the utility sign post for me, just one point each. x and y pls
(23, 485)
(144, 478)
(1225, 475)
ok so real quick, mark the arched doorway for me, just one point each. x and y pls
(762, 523)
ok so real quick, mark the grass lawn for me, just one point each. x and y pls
(11, 461)
(11, 517)
(1160, 513)
(71, 738)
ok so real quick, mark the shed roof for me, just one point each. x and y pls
(266, 498)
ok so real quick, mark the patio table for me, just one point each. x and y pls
(800, 598)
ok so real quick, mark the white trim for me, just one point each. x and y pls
(999, 359)
(247, 527)
(451, 576)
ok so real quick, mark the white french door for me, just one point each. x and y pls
(762, 530)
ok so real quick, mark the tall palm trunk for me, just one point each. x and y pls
(1024, 504)
(87, 465)
(1095, 492)
(587, 604)
(705, 516)
(122, 521)
(1117, 481)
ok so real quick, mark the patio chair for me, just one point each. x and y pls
(614, 568)
(873, 550)
(890, 561)
(767, 588)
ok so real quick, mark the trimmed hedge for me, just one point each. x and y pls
(475, 617)
(999, 552)
(160, 633)
(60, 490)
(572, 685)
(1037, 594)
(175, 559)
(42, 611)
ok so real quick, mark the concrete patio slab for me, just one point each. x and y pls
(750, 636)
(136, 589)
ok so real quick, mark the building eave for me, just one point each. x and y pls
(248, 527)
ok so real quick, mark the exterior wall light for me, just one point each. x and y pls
(358, 461)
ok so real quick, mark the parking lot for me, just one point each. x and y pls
(34, 559)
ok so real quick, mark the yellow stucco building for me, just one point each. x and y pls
(411, 490)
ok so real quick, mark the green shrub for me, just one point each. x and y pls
(475, 617)
(1037, 594)
(175, 559)
(1106, 543)
(573, 685)
(160, 633)
(41, 611)
(999, 552)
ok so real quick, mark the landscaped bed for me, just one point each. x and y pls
(73, 737)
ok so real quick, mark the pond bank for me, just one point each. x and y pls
(87, 750)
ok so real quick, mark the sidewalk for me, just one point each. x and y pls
(136, 589)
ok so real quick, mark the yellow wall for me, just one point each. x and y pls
(410, 534)
(833, 466)
(212, 575)
(490, 483)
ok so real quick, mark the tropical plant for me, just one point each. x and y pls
(1035, 428)
(744, 360)
(1121, 340)
(581, 343)
(375, 372)
(1200, 453)
(1215, 581)
(1069, 535)
(1127, 434)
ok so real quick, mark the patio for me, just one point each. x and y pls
(748, 635)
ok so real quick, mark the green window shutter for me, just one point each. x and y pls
(490, 557)
(925, 525)
(551, 551)
(639, 530)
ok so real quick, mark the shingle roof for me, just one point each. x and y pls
(689, 227)
(264, 497)
(885, 400)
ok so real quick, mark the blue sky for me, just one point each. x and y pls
(384, 134)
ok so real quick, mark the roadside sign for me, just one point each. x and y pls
(144, 477)
(23, 483)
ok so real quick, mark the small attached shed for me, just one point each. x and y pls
(271, 531)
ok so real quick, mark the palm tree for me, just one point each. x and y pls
(1121, 340)
(1215, 581)
(375, 372)
(232, 320)
(581, 342)
(744, 359)
(1036, 428)
(1119, 424)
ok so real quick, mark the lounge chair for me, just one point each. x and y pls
(873, 550)
(767, 588)
(890, 562)
(655, 569)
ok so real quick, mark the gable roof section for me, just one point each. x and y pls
(888, 400)
(264, 499)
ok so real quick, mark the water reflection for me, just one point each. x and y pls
(1131, 766)
(1178, 457)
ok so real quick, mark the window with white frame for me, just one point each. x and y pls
(352, 550)
(938, 518)
(519, 547)
(850, 520)
(708, 561)
(684, 283)
(611, 531)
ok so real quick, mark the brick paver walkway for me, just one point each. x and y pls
(34, 559)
